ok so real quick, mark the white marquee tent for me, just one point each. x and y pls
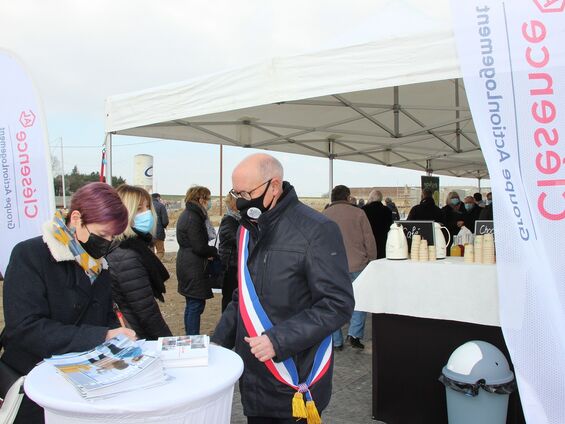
(395, 101)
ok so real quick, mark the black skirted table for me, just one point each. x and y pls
(423, 311)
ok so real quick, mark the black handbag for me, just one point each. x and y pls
(214, 272)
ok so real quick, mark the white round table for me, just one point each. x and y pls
(193, 395)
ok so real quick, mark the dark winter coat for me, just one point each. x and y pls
(132, 291)
(380, 218)
(450, 218)
(193, 253)
(471, 216)
(298, 265)
(43, 297)
(228, 244)
(486, 213)
(162, 219)
(426, 211)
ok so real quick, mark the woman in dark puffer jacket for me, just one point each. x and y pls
(138, 276)
(228, 249)
(193, 255)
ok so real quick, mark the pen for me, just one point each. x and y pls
(119, 315)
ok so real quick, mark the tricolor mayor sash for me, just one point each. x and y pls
(256, 323)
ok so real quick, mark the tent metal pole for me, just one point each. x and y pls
(109, 158)
(331, 178)
(457, 116)
(331, 163)
(63, 176)
(396, 112)
(221, 177)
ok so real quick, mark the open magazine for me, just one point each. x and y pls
(183, 351)
(117, 365)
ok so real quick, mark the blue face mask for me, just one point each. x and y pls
(468, 206)
(209, 206)
(143, 222)
(454, 201)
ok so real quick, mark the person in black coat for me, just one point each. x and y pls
(473, 211)
(298, 267)
(161, 222)
(55, 303)
(138, 276)
(426, 210)
(453, 215)
(193, 256)
(392, 206)
(380, 218)
(486, 213)
(228, 249)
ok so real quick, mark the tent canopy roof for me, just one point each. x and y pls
(394, 102)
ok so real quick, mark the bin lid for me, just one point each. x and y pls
(477, 360)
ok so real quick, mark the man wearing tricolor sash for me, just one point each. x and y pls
(293, 292)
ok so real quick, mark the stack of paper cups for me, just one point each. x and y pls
(415, 248)
(488, 249)
(469, 256)
(478, 249)
(424, 250)
(432, 253)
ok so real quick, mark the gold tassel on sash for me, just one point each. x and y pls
(312, 412)
(298, 406)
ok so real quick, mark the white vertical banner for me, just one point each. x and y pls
(26, 191)
(512, 55)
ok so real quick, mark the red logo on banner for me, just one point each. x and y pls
(27, 119)
(550, 6)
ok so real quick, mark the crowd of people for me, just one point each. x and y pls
(96, 272)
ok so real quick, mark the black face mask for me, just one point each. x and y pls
(96, 246)
(253, 208)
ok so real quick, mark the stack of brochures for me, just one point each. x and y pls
(116, 366)
(183, 351)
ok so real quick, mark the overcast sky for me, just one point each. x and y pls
(80, 52)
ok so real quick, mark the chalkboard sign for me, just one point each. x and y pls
(423, 228)
(484, 227)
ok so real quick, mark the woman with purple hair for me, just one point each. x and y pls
(57, 291)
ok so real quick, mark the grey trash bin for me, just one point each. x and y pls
(478, 382)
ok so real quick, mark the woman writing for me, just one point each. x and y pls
(138, 276)
(57, 293)
(193, 255)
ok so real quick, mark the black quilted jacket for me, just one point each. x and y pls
(131, 290)
(228, 244)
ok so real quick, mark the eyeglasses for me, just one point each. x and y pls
(246, 194)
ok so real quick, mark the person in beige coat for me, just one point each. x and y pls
(361, 249)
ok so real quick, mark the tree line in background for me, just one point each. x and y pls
(75, 180)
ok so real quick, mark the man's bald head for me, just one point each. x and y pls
(255, 170)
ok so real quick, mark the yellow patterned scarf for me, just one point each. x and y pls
(66, 236)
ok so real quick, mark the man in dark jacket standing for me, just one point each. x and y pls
(161, 223)
(380, 218)
(427, 209)
(296, 275)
